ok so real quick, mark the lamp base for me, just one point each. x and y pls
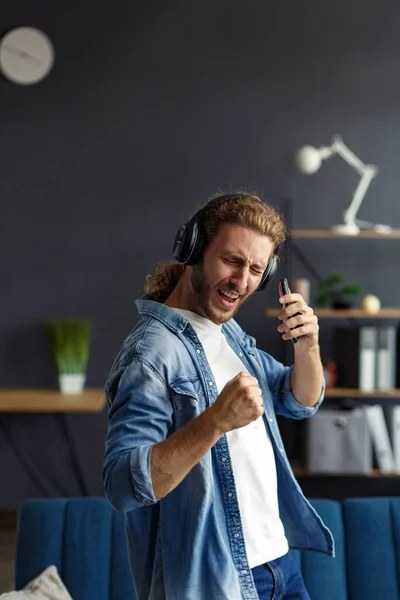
(382, 228)
(346, 229)
(353, 229)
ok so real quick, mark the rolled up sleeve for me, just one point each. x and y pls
(290, 407)
(278, 378)
(140, 416)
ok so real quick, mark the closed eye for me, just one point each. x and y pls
(232, 261)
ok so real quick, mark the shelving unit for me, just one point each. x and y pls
(341, 486)
(301, 471)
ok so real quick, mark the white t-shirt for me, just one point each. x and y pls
(252, 455)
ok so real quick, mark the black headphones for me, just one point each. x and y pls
(191, 239)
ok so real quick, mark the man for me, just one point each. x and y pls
(194, 458)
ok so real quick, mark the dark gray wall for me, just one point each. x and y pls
(151, 107)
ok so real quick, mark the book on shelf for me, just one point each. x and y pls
(380, 438)
(392, 414)
(367, 356)
(386, 358)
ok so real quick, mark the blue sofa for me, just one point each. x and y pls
(84, 538)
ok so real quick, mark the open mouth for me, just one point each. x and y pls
(228, 299)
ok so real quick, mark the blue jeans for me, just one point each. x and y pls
(280, 579)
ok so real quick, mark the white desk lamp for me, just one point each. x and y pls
(308, 160)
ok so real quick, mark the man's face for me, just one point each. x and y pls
(230, 271)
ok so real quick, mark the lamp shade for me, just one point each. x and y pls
(307, 160)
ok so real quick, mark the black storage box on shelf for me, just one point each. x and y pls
(398, 358)
(345, 355)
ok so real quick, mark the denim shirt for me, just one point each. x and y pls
(189, 545)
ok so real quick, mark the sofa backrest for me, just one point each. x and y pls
(85, 539)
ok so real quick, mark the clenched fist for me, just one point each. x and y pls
(239, 403)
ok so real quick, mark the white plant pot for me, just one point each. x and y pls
(72, 383)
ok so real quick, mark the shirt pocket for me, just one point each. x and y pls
(188, 399)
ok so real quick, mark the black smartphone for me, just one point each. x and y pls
(286, 290)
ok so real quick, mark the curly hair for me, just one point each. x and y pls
(249, 211)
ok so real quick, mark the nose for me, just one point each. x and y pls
(241, 278)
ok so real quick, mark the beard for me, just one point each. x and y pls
(202, 292)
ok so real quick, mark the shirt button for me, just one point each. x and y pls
(210, 383)
(198, 351)
(271, 420)
(236, 535)
(223, 459)
(230, 495)
(244, 572)
(281, 449)
(240, 353)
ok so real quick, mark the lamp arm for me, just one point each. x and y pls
(340, 148)
(349, 214)
(367, 173)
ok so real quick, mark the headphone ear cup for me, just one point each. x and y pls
(268, 274)
(199, 240)
(188, 244)
(183, 243)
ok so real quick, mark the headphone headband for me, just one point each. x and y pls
(221, 200)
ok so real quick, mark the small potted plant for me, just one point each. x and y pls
(331, 292)
(70, 343)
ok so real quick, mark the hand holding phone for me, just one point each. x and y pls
(286, 290)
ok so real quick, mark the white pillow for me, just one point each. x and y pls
(47, 586)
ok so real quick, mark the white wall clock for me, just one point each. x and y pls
(26, 55)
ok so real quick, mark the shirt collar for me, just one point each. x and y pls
(172, 319)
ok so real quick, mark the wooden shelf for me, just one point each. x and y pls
(329, 233)
(353, 313)
(49, 400)
(354, 393)
(300, 471)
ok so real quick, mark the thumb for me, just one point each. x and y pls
(240, 374)
(236, 377)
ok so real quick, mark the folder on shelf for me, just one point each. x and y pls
(386, 358)
(380, 438)
(367, 356)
